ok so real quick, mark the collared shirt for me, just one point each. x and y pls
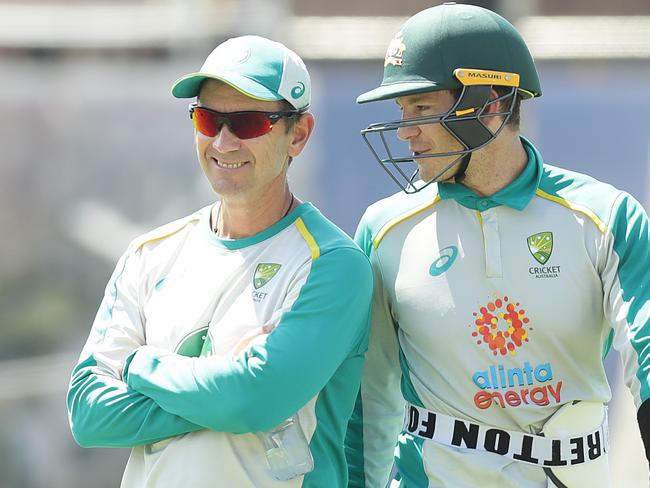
(160, 372)
(497, 310)
(516, 195)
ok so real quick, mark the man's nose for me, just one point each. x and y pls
(225, 141)
(408, 132)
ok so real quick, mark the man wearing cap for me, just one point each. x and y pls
(229, 345)
(501, 282)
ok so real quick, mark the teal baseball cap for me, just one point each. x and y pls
(255, 66)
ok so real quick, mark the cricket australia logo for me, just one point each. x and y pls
(264, 273)
(540, 246)
(395, 51)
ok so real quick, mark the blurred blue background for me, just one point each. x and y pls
(94, 151)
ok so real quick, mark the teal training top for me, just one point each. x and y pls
(496, 310)
(164, 370)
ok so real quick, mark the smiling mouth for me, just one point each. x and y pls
(223, 164)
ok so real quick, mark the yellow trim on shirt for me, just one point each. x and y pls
(576, 208)
(309, 239)
(166, 230)
(480, 222)
(392, 223)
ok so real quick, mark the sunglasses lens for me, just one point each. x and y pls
(206, 122)
(249, 125)
(245, 125)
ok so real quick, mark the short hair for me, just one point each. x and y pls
(287, 107)
(515, 117)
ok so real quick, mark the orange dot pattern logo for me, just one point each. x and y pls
(502, 326)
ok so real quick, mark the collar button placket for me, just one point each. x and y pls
(492, 242)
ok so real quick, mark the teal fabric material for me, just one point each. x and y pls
(299, 357)
(120, 416)
(316, 349)
(103, 411)
(626, 219)
(335, 402)
(580, 189)
(408, 390)
(608, 344)
(258, 74)
(354, 446)
(632, 245)
(516, 195)
(232, 244)
(409, 462)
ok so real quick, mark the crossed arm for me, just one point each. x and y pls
(125, 393)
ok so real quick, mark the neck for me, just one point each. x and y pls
(496, 165)
(236, 219)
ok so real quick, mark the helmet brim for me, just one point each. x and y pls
(394, 90)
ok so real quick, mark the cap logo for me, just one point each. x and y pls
(298, 90)
(395, 51)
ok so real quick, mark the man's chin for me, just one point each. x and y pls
(437, 178)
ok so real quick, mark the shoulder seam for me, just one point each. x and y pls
(602, 226)
(163, 232)
(401, 218)
(308, 237)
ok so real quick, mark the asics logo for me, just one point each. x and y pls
(443, 263)
(298, 90)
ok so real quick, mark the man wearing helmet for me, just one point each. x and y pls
(501, 282)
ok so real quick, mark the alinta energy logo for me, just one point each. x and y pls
(501, 326)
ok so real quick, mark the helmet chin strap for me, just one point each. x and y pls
(459, 176)
(471, 132)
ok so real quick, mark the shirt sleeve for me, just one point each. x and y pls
(271, 380)
(626, 284)
(102, 410)
(379, 412)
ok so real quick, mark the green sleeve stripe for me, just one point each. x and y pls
(632, 245)
(410, 463)
(408, 390)
(354, 447)
(103, 412)
(326, 324)
(608, 344)
(334, 407)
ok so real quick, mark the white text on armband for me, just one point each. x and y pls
(519, 446)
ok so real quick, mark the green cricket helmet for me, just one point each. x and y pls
(451, 47)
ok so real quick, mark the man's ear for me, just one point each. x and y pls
(300, 132)
(494, 108)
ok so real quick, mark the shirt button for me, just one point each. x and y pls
(484, 203)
